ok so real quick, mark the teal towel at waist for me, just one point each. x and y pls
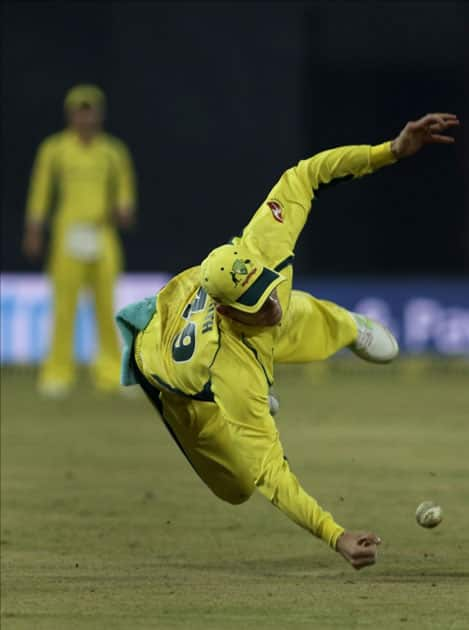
(131, 320)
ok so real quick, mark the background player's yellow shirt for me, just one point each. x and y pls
(84, 181)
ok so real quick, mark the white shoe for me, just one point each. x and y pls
(131, 393)
(375, 343)
(54, 389)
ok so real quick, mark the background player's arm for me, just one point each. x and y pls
(39, 199)
(126, 187)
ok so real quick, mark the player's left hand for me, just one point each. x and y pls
(359, 548)
(125, 217)
(429, 129)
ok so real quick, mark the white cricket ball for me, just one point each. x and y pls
(429, 514)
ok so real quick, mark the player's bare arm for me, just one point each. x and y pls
(430, 129)
(125, 217)
(33, 239)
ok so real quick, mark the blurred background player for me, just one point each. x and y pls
(87, 176)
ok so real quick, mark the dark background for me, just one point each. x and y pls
(215, 100)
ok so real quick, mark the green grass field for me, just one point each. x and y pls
(105, 525)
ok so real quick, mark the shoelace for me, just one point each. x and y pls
(365, 339)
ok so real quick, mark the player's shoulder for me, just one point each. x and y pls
(113, 143)
(181, 287)
(53, 141)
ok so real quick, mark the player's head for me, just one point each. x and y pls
(244, 289)
(84, 108)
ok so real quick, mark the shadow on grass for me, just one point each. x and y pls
(320, 570)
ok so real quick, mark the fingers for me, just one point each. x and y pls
(365, 552)
(368, 538)
(439, 139)
(438, 117)
(444, 115)
(364, 557)
(431, 129)
(442, 125)
(359, 549)
(363, 562)
(437, 122)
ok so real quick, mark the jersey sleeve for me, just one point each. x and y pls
(41, 182)
(125, 175)
(277, 224)
(301, 183)
(242, 396)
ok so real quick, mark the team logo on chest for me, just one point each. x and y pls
(276, 209)
(240, 272)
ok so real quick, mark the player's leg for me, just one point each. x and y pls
(106, 368)
(234, 459)
(58, 370)
(207, 441)
(204, 438)
(315, 329)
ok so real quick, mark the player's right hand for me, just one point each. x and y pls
(125, 217)
(359, 548)
(430, 129)
(33, 241)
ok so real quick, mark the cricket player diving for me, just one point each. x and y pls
(204, 348)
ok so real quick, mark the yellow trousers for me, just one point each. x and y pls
(69, 276)
(223, 453)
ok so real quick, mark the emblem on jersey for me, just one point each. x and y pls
(240, 272)
(276, 210)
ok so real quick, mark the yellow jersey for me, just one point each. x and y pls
(189, 352)
(188, 348)
(83, 181)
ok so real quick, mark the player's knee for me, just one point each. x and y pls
(235, 494)
(237, 499)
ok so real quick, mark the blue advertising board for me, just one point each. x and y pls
(425, 314)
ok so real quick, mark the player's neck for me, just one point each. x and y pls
(85, 136)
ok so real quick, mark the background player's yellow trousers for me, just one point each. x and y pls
(68, 278)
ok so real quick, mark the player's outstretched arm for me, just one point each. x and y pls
(275, 227)
(39, 196)
(430, 129)
(302, 183)
(360, 549)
